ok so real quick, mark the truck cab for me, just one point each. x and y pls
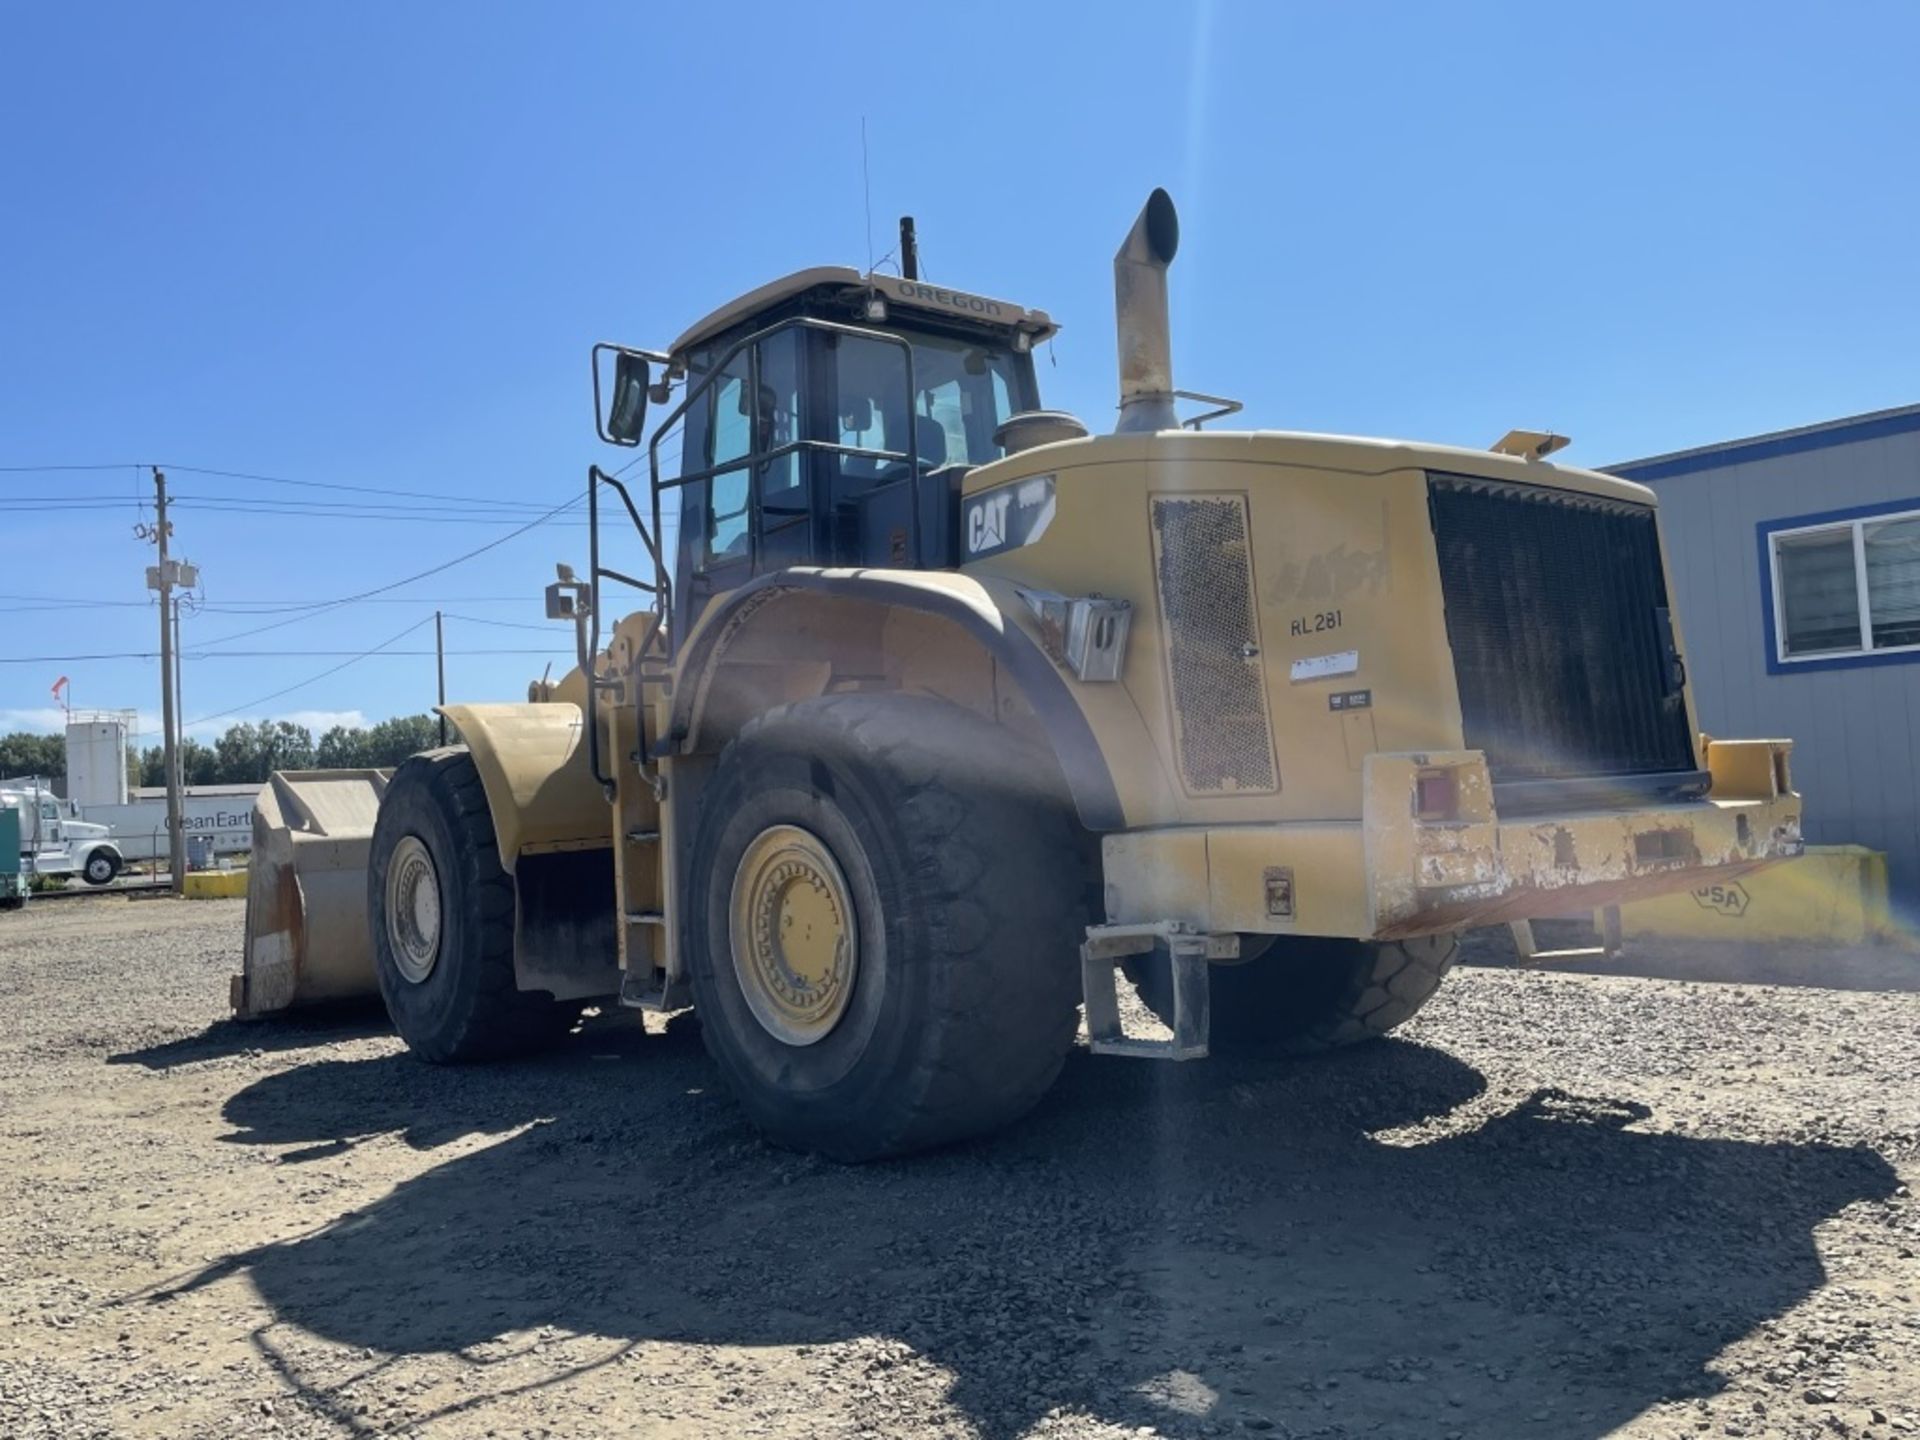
(54, 840)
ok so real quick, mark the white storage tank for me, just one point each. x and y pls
(97, 760)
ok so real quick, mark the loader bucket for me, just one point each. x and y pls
(307, 939)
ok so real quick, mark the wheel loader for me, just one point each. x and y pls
(935, 715)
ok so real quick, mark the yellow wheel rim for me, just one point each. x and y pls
(792, 930)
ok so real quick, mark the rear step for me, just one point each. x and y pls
(1189, 952)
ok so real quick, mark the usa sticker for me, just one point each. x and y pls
(1007, 516)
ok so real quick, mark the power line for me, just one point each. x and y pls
(51, 602)
(337, 485)
(201, 508)
(218, 505)
(306, 611)
(554, 649)
(241, 606)
(412, 507)
(57, 469)
(449, 497)
(502, 624)
(229, 606)
(312, 679)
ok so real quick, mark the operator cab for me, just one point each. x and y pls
(828, 419)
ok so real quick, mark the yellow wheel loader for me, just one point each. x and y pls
(938, 713)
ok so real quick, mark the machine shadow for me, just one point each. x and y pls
(306, 1030)
(1166, 1246)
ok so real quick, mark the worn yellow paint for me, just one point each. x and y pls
(1748, 769)
(1339, 527)
(1391, 874)
(214, 884)
(1833, 894)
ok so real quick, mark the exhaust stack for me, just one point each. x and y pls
(1140, 314)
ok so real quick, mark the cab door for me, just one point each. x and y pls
(755, 510)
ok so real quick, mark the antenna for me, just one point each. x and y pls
(866, 191)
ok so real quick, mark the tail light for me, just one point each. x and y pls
(1436, 795)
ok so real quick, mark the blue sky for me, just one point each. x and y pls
(370, 245)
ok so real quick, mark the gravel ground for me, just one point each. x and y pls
(1561, 1205)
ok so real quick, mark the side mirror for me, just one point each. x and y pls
(620, 403)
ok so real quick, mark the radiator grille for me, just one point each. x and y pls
(1223, 737)
(1557, 614)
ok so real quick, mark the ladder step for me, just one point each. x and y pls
(1186, 955)
(643, 837)
(645, 917)
(653, 993)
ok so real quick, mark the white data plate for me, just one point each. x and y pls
(1319, 667)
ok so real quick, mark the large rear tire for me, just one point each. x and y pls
(442, 915)
(884, 908)
(1301, 996)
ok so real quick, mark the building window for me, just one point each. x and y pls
(1846, 588)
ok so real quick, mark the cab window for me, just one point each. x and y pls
(963, 391)
(745, 427)
(729, 438)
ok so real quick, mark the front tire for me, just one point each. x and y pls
(101, 867)
(883, 912)
(441, 910)
(1303, 995)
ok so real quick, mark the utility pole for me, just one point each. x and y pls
(440, 665)
(162, 578)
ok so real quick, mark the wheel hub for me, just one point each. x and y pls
(413, 910)
(792, 932)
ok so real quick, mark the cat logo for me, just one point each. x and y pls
(987, 523)
(1728, 898)
(1007, 516)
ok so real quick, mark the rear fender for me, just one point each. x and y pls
(797, 633)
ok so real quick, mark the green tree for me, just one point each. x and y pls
(198, 763)
(23, 753)
(392, 741)
(247, 754)
(342, 748)
(382, 746)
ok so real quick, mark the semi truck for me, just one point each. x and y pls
(54, 840)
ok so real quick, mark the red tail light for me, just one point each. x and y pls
(1435, 796)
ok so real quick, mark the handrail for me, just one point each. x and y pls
(590, 633)
(660, 630)
(753, 460)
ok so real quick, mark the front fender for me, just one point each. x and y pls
(532, 761)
